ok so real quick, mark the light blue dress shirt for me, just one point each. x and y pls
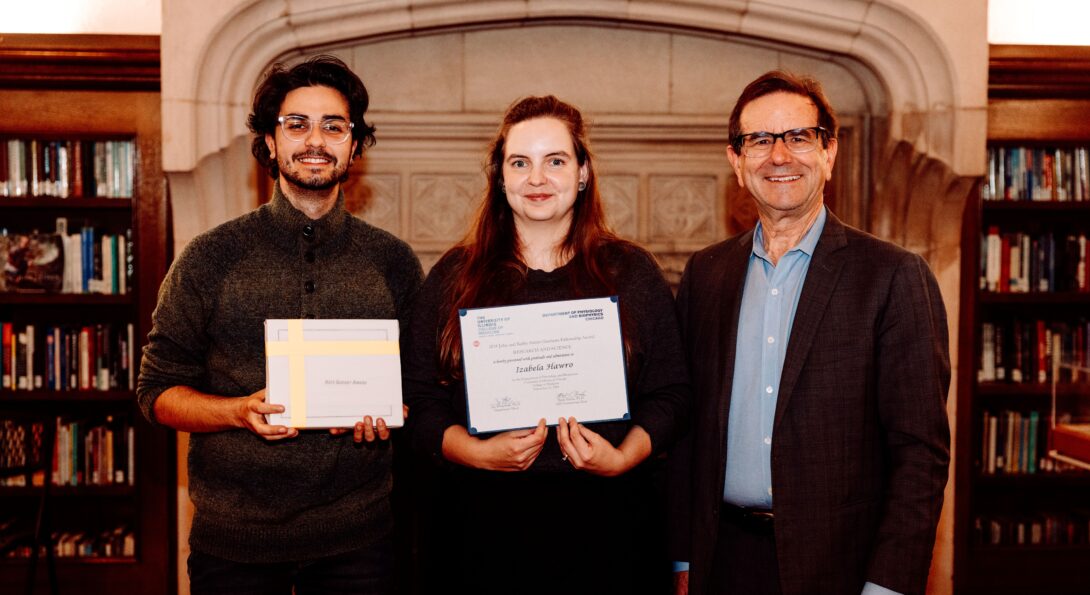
(769, 301)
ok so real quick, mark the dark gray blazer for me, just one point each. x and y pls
(860, 445)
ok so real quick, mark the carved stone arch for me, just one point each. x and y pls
(206, 108)
(920, 198)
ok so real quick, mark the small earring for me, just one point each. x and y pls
(503, 189)
(582, 186)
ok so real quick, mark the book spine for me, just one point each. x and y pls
(993, 261)
(57, 450)
(5, 180)
(130, 355)
(993, 428)
(73, 359)
(34, 378)
(58, 358)
(1004, 254)
(987, 352)
(76, 473)
(108, 454)
(51, 355)
(1009, 446)
(1026, 253)
(130, 450)
(1023, 444)
(1080, 266)
(7, 349)
(90, 457)
(1042, 353)
(102, 178)
(85, 358)
(1015, 252)
(1034, 429)
(1051, 262)
(115, 266)
(1048, 175)
(21, 361)
(130, 258)
(34, 168)
(121, 269)
(990, 191)
(102, 357)
(87, 237)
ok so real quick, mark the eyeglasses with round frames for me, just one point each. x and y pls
(799, 140)
(334, 130)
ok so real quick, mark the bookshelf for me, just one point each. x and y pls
(83, 123)
(1021, 518)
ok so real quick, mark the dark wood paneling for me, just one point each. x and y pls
(124, 62)
(1040, 71)
(1036, 121)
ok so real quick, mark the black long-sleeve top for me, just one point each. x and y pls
(658, 383)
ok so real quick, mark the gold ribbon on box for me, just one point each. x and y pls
(295, 348)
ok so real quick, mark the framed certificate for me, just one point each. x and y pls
(546, 360)
(330, 373)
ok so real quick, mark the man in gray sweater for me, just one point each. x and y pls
(278, 508)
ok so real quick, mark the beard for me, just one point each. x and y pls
(295, 172)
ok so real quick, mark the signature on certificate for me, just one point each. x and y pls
(504, 404)
(571, 397)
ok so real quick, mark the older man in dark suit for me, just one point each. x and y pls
(820, 447)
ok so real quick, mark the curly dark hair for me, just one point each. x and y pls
(318, 71)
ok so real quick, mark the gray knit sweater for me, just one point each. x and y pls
(314, 495)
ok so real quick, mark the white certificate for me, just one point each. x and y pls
(330, 373)
(546, 360)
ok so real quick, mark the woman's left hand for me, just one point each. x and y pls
(585, 449)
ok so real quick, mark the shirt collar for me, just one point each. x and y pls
(293, 225)
(806, 245)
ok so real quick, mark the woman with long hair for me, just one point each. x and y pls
(535, 509)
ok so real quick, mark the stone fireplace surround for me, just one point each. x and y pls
(657, 80)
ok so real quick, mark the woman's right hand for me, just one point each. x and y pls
(508, 451)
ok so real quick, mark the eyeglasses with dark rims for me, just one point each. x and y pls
(799, 140)
(334, 130)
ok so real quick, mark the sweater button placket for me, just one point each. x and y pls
(308, 256)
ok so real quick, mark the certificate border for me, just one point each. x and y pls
(615, 299)
(319, 422)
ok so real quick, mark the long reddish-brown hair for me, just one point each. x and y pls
(491, 270)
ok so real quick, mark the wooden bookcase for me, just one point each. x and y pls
(1039, 101)
(94, 88)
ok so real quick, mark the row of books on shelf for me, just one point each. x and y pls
(67, 168)
(1030, 530)
(1017, 262)
(1016, 443)
(115, 542)
(1023, 350)
(88, 452)
(89, 261)
(1038, 173)
(14, 450)
(62, 358)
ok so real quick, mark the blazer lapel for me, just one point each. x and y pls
(821, 279)
(732, 283)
